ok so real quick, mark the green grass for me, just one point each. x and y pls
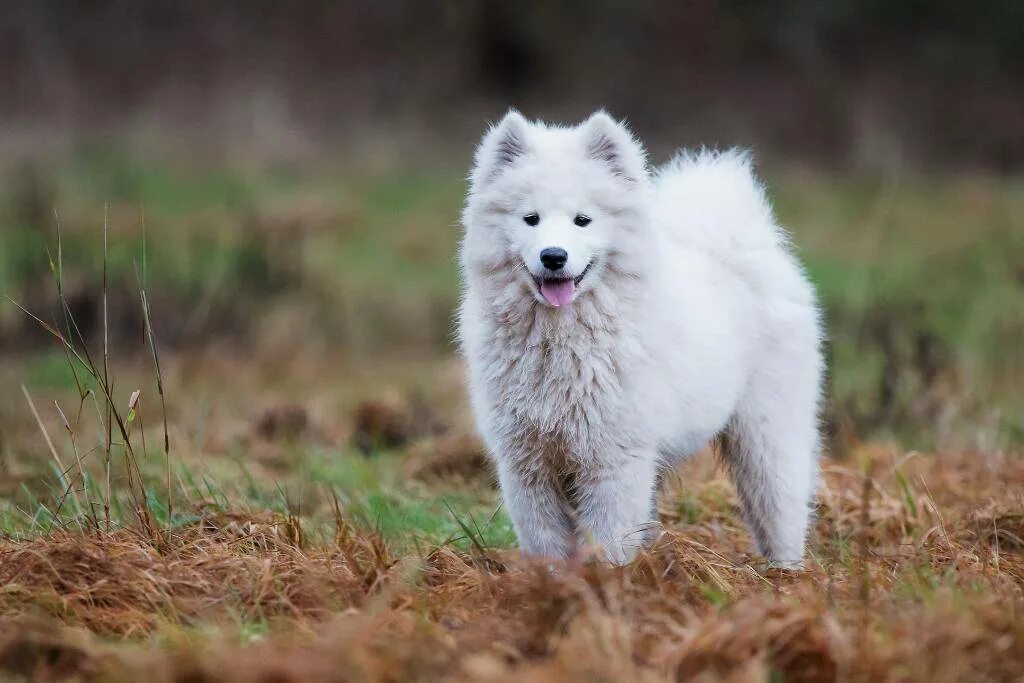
(371, 493)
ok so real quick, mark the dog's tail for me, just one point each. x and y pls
(712, 201)
(715, 202)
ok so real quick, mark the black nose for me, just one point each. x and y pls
(553, 258)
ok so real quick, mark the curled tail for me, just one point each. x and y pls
(716, 202)
(712, 202)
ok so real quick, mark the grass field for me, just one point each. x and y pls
(325, 513)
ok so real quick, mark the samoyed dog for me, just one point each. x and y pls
(616, 319)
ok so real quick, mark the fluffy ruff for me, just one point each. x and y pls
(679, 315)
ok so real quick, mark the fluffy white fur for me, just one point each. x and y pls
(693, 321)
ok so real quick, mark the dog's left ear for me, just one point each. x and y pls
(611, 142)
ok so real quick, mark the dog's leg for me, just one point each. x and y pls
(771, 448)
(615, 505)
(539, 510)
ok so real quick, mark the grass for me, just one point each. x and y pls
(325, 513)
(919, 578)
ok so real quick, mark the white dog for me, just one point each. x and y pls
(616, 319)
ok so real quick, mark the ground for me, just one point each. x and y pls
(325, 512)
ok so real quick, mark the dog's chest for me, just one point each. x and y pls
(562, 388)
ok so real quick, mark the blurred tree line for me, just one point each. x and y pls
(938, 82)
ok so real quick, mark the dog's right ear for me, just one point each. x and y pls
(501, 146)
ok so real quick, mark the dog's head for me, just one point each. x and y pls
(556, 205)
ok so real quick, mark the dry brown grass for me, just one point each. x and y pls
(917, 574)
(118, 583)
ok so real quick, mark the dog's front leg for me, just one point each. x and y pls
(539, 510)
(615, 502)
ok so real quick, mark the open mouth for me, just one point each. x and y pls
(559, 291)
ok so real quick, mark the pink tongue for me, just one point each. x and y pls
(558, 292)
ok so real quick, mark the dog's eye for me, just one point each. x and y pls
(582, 220)
(531, 219)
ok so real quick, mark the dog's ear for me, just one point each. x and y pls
(501, 146)
(611, 142)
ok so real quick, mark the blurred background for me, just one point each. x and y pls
(293, 174)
